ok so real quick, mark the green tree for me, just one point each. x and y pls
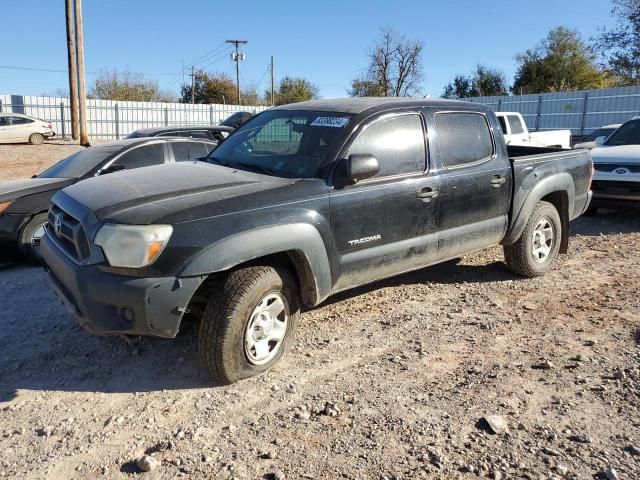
(395, 68)
(292, 90)
(210, 88)
(364, 88)
(561, 62)
(483, 81)
(127, 86)
(620, 47)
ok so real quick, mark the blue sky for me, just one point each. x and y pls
(324, 40)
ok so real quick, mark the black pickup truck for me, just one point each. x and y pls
(301, 202)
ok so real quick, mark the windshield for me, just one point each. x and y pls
(627, 134)
(601, 132)
(283, 143)
(80, 163)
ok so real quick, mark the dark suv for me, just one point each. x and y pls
(213, 133)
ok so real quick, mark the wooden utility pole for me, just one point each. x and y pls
(237, 56)
(82, 88)
(273, 97)
(73, 76)
(193, 85)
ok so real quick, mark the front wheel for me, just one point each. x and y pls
(31, 235)
(537, 248)
(249, 322)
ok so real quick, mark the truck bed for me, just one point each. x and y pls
(532, 165)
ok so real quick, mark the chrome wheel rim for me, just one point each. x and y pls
(37, 235)
(542, 240)
(266, 329)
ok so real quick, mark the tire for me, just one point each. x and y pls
(238, 335)
(36, 139)
(535, 251)
(29, 241)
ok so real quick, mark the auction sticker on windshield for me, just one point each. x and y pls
(335, 122)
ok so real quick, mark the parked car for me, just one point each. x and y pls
(213, 133)
(301, 202)
(18, 128)
(597, 137)
(616, 182)
(516, 132)
(237, 119)
(24, 203)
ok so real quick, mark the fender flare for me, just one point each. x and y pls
(561, 183)
(301, 241)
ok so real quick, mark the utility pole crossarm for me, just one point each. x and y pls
(237, 56)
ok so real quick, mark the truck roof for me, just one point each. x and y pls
(359, 105)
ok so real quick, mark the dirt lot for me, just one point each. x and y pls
(24, 160)
(388, 381)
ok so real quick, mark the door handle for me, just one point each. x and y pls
(497, 181)
(426, 194)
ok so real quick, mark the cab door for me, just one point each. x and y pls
(476, 187)
(384, 225)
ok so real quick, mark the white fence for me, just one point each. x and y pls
(110, 119)
(581, 111)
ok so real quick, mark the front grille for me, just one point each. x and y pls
(612, 167)
(69, 233)
(616, 188)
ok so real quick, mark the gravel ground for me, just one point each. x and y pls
(456, 371)
(24, 160)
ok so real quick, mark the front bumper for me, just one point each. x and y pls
(615, 194)
(10, 227)
(109, 304)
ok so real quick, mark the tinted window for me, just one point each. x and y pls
(515, 124)
(463, 138)
(80, 163)
(20, 120)
(601, 132)
(199, 149)
(142, 156)
(627, 134)
(180, 151)
(397, 142)
(503, 124)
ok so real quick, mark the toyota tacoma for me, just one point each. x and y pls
(301, 202)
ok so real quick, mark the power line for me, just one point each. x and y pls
(203, 57)
(217, 59)
(52, 70)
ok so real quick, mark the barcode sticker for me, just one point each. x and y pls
(335, 122)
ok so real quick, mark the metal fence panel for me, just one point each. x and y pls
(581, 111)
(110, 119)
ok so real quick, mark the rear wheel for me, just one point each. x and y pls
(249, 322)
(36, 139)
(537, 248)
(31, 235)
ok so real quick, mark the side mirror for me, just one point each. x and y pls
(361, 166)
(112, 169)
(600, 140)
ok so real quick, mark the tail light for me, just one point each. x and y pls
(49, 125)
(593, 172)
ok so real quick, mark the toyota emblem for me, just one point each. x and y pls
(622, 171)
(57, 225)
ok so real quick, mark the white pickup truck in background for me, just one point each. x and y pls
(516, 133)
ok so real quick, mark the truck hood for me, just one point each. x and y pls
(167, 193)
(15, 189)
(620, 154)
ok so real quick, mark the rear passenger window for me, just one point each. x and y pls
(142, 156)
(463, 138)
(199, 149)
(515, 124)
(397, 142)
(180, 151)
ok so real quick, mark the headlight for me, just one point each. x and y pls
(132, 246)
(5, 205)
